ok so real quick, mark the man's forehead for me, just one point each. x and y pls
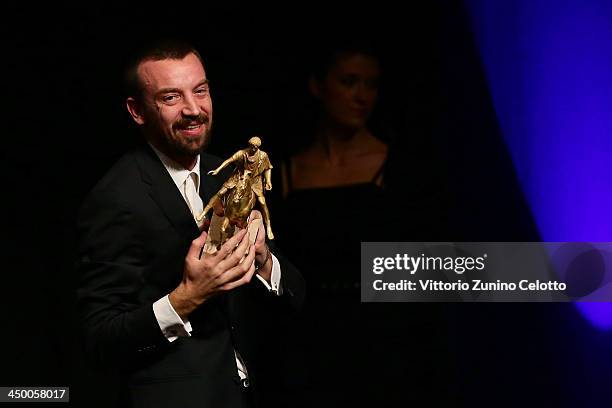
(172, 72)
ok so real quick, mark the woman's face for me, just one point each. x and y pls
(349, 91)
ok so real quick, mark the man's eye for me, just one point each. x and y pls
(202, 91)
(169, 98)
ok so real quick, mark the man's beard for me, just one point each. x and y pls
(192, 146)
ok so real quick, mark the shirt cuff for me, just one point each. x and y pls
(275, 277)
(170, 323)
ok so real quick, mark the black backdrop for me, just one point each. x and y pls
(66, 123)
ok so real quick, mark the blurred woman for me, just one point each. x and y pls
(345, 184)
(344, 150)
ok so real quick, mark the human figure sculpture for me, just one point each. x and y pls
(253, 174)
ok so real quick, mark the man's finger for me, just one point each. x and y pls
(235, 257)
(195, 249)
(261, 232)
(230, 244)
(242, 281)
(241, 272)
(255, 214)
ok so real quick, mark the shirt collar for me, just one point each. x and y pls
(178, 173)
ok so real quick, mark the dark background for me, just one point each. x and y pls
(66, 124)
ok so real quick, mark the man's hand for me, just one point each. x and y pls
(211, 274)
(267, 186)
(213, 172)
(263, 257)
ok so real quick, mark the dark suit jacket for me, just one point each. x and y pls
(134, 232)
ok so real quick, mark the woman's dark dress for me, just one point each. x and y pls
(357, 352)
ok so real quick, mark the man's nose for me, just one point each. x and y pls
(191, 107)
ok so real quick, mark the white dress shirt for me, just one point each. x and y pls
(170, 323)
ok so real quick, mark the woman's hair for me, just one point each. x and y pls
(326, 56)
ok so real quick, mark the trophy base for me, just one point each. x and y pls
(217, 237)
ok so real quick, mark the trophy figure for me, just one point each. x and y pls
(239, 194)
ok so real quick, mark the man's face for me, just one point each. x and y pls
(175, 108)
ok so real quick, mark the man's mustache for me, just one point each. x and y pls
(195, 120)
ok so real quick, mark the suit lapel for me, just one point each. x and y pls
(164, 192)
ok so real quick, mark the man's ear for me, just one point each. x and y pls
(314, 87)
(135, 110)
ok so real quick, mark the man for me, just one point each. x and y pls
(183, 328)
(257, 164)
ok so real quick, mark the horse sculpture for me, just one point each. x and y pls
(239, 202)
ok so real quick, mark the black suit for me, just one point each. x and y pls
(134, 232)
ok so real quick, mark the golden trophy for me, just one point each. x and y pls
(251, 176)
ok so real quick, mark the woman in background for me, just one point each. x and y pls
(344, 185)
(344, 151)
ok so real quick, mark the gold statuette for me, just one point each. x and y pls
(251, 176)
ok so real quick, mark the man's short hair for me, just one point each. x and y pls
(154, 51)
(255, 141)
